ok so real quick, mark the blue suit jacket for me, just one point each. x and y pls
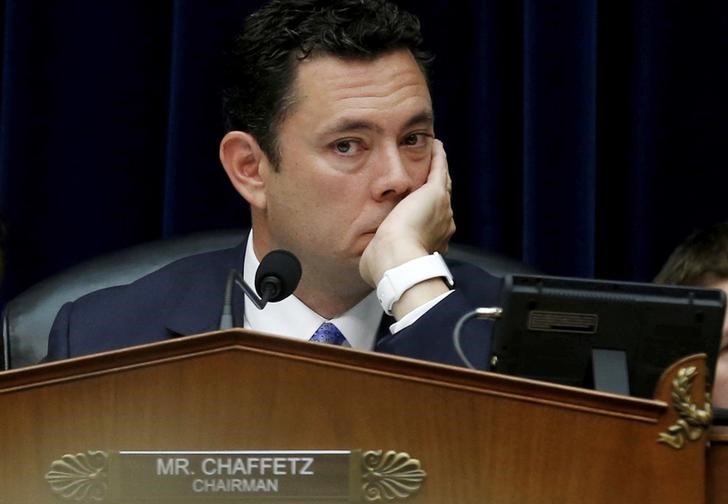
(186, 297)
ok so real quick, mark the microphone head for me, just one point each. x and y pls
(277, 276)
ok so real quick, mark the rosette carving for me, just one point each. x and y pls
(693, 420)
(390, 476)
(81, 477)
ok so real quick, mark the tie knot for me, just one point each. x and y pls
(328, 333)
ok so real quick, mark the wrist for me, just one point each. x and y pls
(382, 255)
(398, 280)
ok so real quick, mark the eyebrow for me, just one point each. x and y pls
(424, 117)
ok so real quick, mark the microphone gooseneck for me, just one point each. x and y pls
(276, 279)
(226, 319)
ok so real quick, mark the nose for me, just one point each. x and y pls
(393, 175)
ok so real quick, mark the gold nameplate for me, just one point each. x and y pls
(217, 476)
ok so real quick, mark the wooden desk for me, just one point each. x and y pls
(480, 437)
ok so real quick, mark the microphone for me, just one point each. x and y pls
(277, 276)
(276, 279)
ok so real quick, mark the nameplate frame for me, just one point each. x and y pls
(136, 476)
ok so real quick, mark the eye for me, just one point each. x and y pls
(347, 147)
(416, 139)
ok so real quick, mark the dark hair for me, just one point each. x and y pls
(262, 61)
(700, 260)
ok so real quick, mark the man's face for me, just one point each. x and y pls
(357, 141)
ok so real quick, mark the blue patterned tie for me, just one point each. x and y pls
(328, 333)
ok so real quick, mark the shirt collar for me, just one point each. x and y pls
(292, 318)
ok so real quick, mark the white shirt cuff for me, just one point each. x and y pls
(415, 314)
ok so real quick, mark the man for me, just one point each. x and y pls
(331, 142)
(702, 261)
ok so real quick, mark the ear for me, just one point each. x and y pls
(243, 160)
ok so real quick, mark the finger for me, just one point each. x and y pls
(438, 165)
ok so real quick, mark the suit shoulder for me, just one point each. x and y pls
(146, 309)
(178, 275)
